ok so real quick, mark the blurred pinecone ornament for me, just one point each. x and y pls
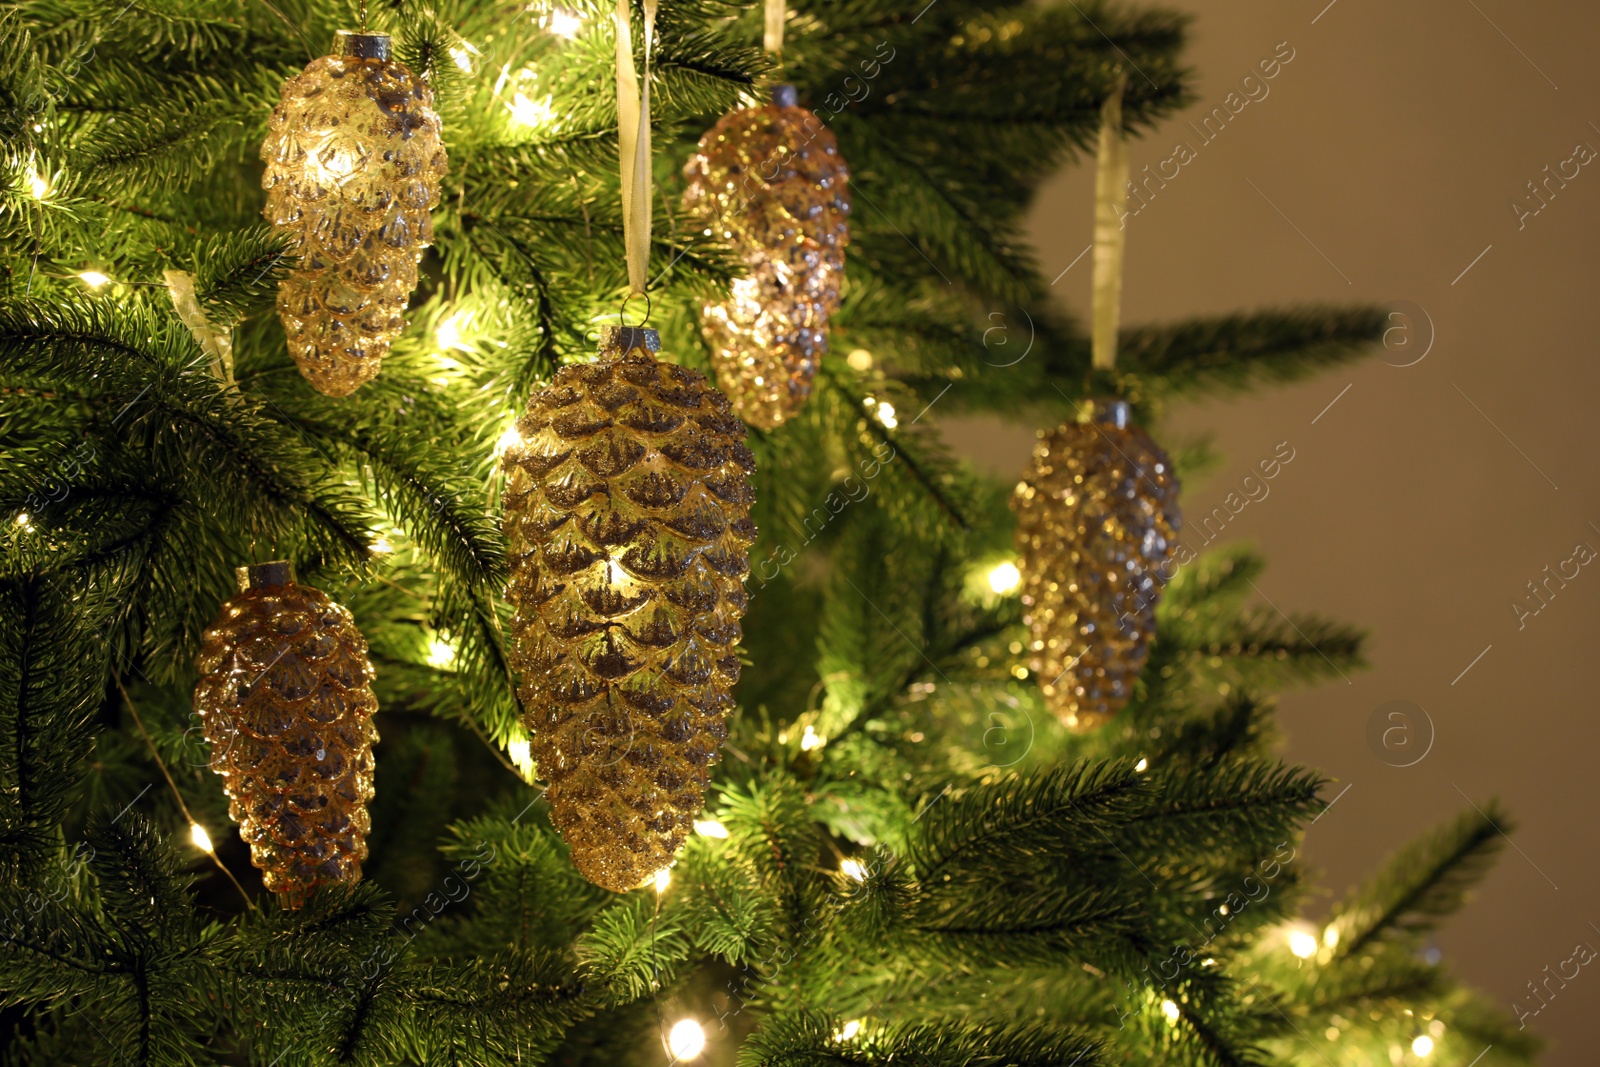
(1097, 524)
(770, 182)
(627, 510)
(285, 700)
(354, 160)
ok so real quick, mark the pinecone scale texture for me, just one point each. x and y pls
(285, 700)
(354, 160)
(770, 182)
(1097, 525)
(627, 510)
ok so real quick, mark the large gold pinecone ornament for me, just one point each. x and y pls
(1097, 523)
(769, 181)
(285, 699)
(354, 162)
(627, 509)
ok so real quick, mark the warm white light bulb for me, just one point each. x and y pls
(854, 870)
(463, 56)
(1170, 1010)
(848, 1030)
(93, 279)
(686, 1040)
(201, 839)
(663, 879)
(710, 828)
(564, 23)
(527, 111)
(886, 415)
(1005, 578)
(1423, 1045)
(508, 440)
(448, 335)
(1142, 765)
(810, 739)
(519, 750)
(441, 654)
(1302, 944)
(38, 186)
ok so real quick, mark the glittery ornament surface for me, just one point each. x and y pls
(770, 182)
(285, 699)
(627, 509)
(1097, 521)
(354, 162)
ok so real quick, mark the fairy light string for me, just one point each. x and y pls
(178, 796)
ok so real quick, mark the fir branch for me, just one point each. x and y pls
(1217, 578)
(306, 983)
(195, 434)
(1263, 645)
(143, 887)
(512, 1005)
(724, 912)
(1218, 1047)
(771, 833)
(292, 940)
(1055, 811)
(529, 895)
(1239, 726)
(1424, 882)
(1240, 351)
(1396, 979)
(1238, 806)
(1044, 925)
(51, 670)
(904, 448)
(26, 101)
(630, 951)
(904, 207)
(810, 1040)
(482, 234)
(237, 274)
(869, 645)
(446, 515)
(1476, 1024)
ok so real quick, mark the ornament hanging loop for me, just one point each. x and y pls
(622, 312)
(633, 137)
(1110, 227)
(772, 35)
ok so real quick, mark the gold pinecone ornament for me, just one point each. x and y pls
(1097, 523)
(627, 510)
(770, 182)
(285, 699)
(354, 161)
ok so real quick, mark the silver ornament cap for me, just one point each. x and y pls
(362, 45)
(619, 340)
(278, 572)
(1107, 411)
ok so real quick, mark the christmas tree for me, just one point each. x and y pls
(904, 856)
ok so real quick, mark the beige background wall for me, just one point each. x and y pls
(1380, 166)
